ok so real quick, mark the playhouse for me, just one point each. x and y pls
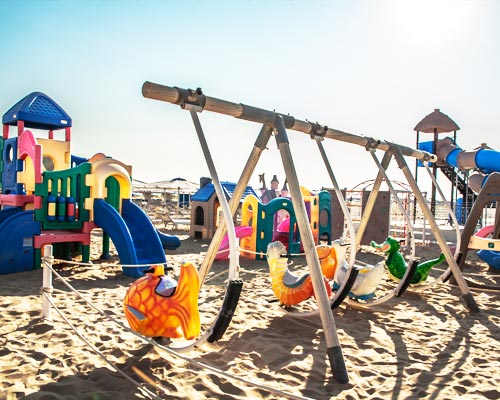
(205, 208)
(267, 224)
(48, 196)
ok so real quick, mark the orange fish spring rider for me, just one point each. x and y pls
(328, 259)
(156, 305)
(289, 288)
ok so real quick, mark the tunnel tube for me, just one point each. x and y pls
(485, 160)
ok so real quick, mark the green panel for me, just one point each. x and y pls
(69, 182)
(113, 189)
(37, 254)
(113, 199)
(325, 206)
(85, 253)
(265, 225)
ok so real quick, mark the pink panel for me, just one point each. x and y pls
(29, 147)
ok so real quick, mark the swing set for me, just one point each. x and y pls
(278, 125)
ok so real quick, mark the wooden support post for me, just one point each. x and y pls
(47, 280)
(457, 274)
(334, 350)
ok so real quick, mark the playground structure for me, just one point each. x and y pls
(356, 200)
(260, 223)
(49, 196)
(196, 101)
(205, 207)
(388, 220)
(266, 227)
(480, 190)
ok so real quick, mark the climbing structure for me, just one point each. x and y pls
(49, 197)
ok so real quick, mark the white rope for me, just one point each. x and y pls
(90, 264)
(97, 351)
(190, 361)
(472, 273)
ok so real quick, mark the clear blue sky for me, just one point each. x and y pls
(373, 68)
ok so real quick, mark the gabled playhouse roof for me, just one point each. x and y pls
(207, 191)
(38, 111)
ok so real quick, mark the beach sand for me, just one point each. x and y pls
(424, 345)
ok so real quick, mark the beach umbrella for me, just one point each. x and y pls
(179, 185)
(139, 186)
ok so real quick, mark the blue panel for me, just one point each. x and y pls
(11, 165)
(75, 160)
(491, 257)
(169, 242)
(16, 241)
(428, 147)
(38, 111)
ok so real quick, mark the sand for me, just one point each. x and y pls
(424, 345)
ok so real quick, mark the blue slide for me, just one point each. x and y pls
(132, 233)
(17, 229)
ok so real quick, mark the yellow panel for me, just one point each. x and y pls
(479, 243)
(102, 169)
(27, 176)
(55, 154)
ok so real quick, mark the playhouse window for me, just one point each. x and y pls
(48, 163)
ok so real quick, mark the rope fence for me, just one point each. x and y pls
(48, 303)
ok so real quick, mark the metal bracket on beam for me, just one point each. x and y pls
(191, 97)
(317, 132)
(429, 156)
(280, 134)
(371, 143)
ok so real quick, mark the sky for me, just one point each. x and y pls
(372, 68)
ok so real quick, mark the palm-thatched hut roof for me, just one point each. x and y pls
(436, 122)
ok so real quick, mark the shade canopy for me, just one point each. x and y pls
(180, 185)
(436, 122)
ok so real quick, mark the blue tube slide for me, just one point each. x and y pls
(17, 229)
(449, 152)
(486, 160)
(132, 233)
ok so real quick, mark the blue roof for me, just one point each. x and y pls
(38, 111)
(207, 191)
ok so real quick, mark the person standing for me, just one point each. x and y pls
(270, 194)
